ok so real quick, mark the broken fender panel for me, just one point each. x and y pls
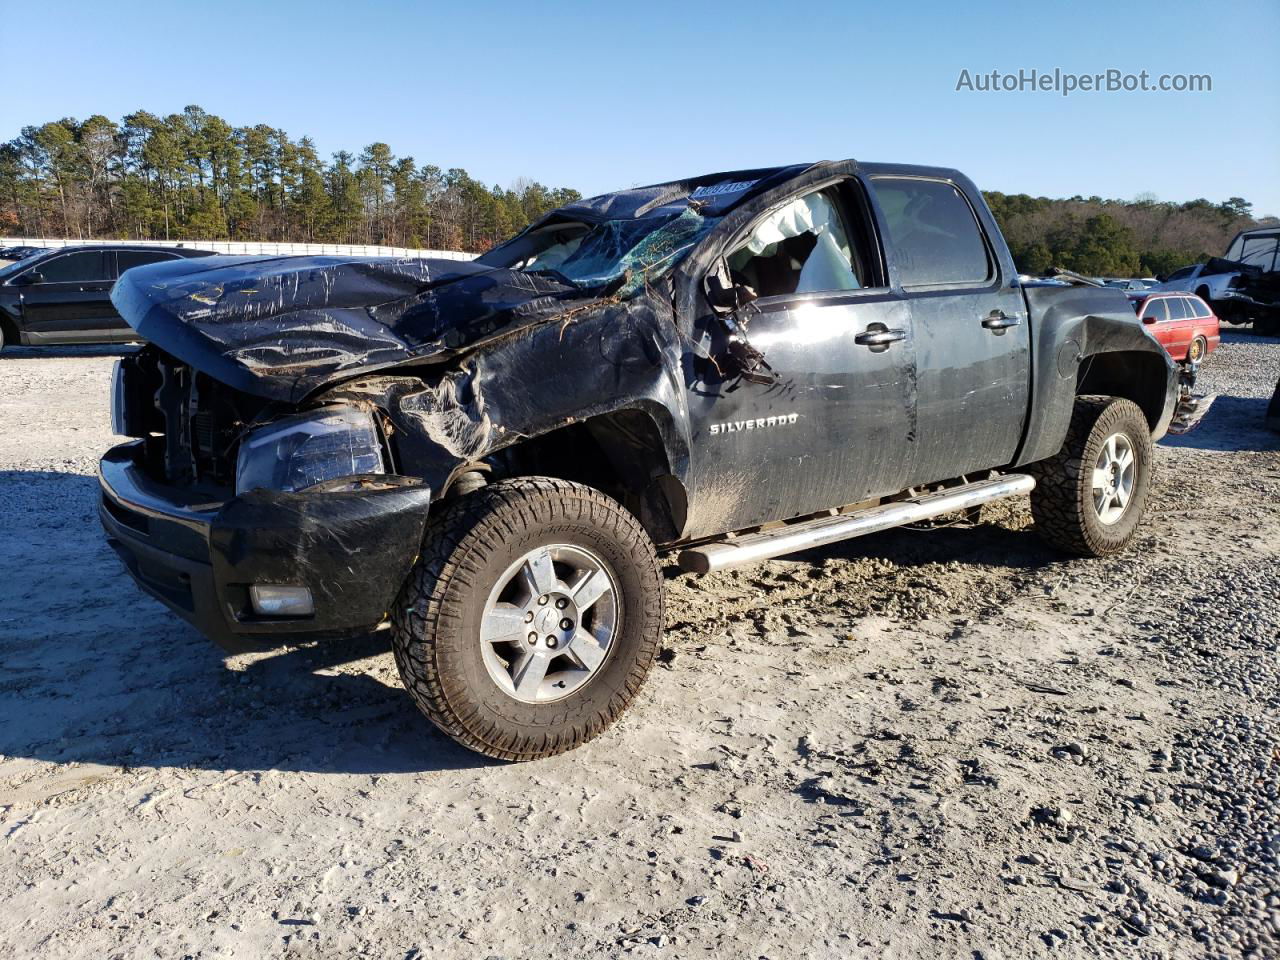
(604, 359)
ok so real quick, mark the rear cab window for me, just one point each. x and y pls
(935, 234)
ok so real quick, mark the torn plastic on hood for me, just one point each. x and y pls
(282, 327)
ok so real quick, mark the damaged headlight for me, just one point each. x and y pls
(300, 451)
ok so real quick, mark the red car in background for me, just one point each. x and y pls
(1182, 322)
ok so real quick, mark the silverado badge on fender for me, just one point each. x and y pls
(759, 423)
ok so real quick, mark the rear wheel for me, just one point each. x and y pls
(1199, 346)
(1090, 497)
(531, 619)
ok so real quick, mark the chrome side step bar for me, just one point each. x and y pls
(752, 547)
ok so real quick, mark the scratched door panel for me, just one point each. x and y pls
(973, 381)
(834, 428)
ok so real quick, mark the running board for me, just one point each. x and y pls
(752, 547)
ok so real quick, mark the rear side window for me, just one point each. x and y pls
(1259, 252)
(1156, 310)
(1178, 308)
(126, 259)
(85, 267)
(934, 232)
(1200, 307)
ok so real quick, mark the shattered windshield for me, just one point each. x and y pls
(644, 248)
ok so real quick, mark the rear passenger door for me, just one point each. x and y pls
(72, 302)
(127, 260)
(970, 326)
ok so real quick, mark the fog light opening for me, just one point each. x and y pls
(280, 600)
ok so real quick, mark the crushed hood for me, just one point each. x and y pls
(283, 327)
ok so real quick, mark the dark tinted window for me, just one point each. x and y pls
(1200, 308)
(934, 233)
(1182, 274)
(1178, 308)
(87, 266)
(125, 259)
(1259, 252)
(1156, 310)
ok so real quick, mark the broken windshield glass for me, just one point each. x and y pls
(645, 248)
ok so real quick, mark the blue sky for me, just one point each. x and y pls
(597, 96)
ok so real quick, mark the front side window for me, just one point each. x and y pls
(87, 266)
(1259, 252)
(802, 247)
(934, 233)
(1156, 310)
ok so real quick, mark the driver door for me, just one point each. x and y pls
(73, 301)
(834, 424)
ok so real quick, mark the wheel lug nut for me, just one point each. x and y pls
(561, 603)
(533, 638)
(528, 617)
(542, 601)
(552, 642)
(566, 624)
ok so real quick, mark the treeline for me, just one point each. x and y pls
(1115, 238)
(191, 175)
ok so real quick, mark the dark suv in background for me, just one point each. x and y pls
(64, 295)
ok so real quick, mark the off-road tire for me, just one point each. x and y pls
(436, 621)
(1062, 501)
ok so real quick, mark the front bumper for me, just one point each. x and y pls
(352, 549)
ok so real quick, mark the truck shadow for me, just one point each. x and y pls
(97, 672)
(1232, 423)
(983, 544)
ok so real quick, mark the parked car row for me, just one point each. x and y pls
(64, 295)
(10, 254)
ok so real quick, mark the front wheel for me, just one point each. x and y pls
(531, 619)
(1090, 497)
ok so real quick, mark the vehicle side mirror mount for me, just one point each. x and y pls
(29, 278)
(723, 294)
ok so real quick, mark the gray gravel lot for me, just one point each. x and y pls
(951, 743)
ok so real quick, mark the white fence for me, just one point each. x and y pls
(274, 249)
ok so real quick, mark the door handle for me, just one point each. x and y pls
(998, 321)
(880, 337)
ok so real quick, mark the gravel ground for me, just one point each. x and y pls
(950, 743)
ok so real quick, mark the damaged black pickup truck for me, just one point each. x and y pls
(488, 457)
